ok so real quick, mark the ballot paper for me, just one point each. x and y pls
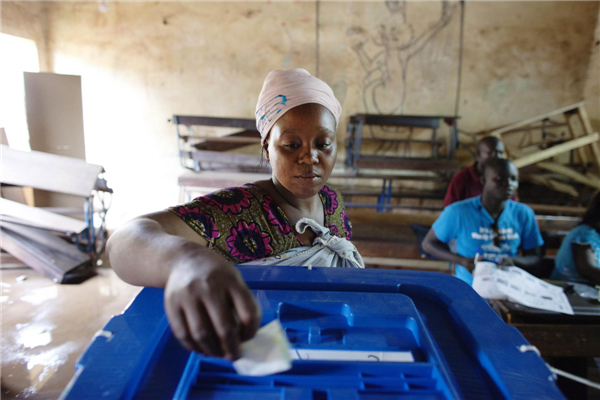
(518, 286)
(268, 352)
(352, 355)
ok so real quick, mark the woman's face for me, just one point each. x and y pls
(301, 149)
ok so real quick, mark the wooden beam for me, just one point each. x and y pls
(498, 132)
(556, 150)
(581, 150)
(41, 218)
(570, 173)
(48, 172)
(587, 126)
(552, 184)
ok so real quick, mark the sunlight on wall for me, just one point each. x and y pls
(18, 55)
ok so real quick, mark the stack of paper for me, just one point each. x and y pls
(518, 286)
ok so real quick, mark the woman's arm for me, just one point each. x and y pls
(585, 261)
(433, 245)
(209, 307)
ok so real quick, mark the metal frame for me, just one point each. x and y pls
(358, 121)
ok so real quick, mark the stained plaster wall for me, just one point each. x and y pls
(142, 62)
(592, 84)
(28, 20)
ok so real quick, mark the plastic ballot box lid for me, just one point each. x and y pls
(393, 335)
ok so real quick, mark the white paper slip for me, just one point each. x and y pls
(351, 355)
(268, 352)
(520, 287)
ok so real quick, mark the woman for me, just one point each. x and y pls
(190, 249)
(578, 258)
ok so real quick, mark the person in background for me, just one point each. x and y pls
(578, 258)
(293, 218)
(490, 227)
(467, 182)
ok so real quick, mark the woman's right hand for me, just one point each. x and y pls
(209, 307)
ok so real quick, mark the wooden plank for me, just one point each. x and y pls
(556, 150)
(566, 340)
(50, 262)
(552, 209)
(225, 158)
(546, 222)
(227, 139)
(552, 184)
(498, 132)
(55, 121)
(48, 239)
(587, 126)
(215, 179)
(41, 218)
(48, 172)
(581, 150)
(405, 164)
(408, 263)
(570, 173)
(188, 120)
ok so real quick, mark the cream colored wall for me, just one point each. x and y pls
(28, 20)
(142, 62)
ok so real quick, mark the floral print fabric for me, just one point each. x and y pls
(244, 223)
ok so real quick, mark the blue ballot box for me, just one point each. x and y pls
(452, 344)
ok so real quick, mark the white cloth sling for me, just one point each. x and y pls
(327, 251)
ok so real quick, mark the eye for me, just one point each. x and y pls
(323, 145)
(292, 146)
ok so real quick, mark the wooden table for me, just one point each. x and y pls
(566, 342)
(555, 334)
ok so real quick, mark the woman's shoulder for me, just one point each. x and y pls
(586, 233)
(230, 200)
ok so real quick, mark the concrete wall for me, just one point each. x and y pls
(142, 62)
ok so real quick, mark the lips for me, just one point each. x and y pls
(308, 176)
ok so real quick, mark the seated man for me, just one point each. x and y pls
(490, 227)
(467, 183)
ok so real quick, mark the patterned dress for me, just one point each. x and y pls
(244, 223)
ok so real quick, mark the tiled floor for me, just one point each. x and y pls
(46, 327)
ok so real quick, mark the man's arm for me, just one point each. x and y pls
(585, 261)
(435, 247)
(529, 260)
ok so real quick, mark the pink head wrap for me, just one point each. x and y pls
(284, 90)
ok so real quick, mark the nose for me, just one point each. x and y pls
(308, 156)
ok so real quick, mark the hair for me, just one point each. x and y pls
(497, 164)
(592, 215)
(491, 141)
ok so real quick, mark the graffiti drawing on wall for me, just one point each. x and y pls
(396, 44)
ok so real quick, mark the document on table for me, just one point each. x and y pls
(518, 286)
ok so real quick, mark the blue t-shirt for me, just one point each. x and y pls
(565, 269)
(470, 224)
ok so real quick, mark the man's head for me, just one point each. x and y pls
(488, 148)
(500, 179)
